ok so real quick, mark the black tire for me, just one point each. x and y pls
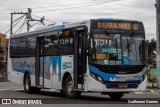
(27, 84)
(36, 90)
(116, 96)
(68, 89)
(62, 92)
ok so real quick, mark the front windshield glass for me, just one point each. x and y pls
(117, 49)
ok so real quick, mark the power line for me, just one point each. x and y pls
(11, 4)
(99, 3)
(15, 24)
(2, 4)
(34, 24)
(12, 22)
(55, 6)
(7, 4)
(18, 18)
(21, 26)
(4, 28)
(76, 7)
(44, 19)
(18, 21)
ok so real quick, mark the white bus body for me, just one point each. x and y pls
(53, 70)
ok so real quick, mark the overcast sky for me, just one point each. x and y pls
(64, 11)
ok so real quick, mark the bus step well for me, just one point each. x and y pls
(40, 86)
(79, 90)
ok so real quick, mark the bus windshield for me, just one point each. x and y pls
(117, 49)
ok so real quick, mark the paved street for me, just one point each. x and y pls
(12, 90)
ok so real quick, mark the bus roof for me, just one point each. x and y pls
(67, 25)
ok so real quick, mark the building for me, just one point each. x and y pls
(3, 49)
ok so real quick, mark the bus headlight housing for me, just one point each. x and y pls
(143, 77)
(96, 77)
(99, 78)
(93, 75)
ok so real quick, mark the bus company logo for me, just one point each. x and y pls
(6, 101)
(112, 79)
(66, 65)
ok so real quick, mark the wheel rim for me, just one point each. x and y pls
(27, 84)
(70, 87)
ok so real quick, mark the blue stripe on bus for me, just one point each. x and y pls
(106, 77)
(58, 27)
(56, 61)
(22, 71)
(105, 19)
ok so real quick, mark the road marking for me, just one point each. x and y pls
(138, 92)
(4, 89)
(20, 89)
(10, 89)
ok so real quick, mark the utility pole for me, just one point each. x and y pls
(158, 40)
(18, 13)
(28, 17)
(11, 32)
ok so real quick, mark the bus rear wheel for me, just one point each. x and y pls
(116, 96)
(27, 84)
(68, 89)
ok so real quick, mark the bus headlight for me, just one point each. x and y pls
(96, 77)
(143, 77)
(99, 78)
(93, 75)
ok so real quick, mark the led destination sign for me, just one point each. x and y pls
(116, 25)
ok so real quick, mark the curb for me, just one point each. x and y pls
(149, 90)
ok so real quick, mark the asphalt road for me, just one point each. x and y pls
(10, 90)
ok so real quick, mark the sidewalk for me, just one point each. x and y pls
(9, 85)
(153, 90)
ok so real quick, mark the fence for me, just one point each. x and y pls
(3, 74)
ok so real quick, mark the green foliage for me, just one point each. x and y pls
(149, 60)
(152, 79)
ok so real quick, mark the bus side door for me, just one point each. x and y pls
(39, 63)
(79, 57)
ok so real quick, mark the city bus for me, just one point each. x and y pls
(98, 55)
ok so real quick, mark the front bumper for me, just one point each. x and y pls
(96, 86)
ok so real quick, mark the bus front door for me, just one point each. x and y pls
(39, 63)
(79, 58)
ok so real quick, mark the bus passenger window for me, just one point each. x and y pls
(50, 44)
(13, 48)
(31, 46)
(65, 45)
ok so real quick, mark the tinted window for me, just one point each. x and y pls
(65, 45)
(31, 46)
(51, 42)
(21, 47)
(13, 48)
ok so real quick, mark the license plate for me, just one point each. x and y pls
(122, 85)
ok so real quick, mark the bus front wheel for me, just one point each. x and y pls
(116, 96)
(68, 89)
